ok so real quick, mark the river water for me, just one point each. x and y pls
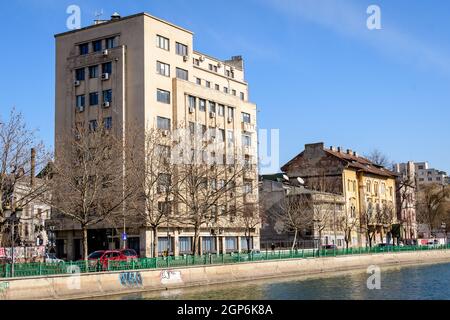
(409, 282)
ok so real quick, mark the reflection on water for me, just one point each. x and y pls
(418, 282)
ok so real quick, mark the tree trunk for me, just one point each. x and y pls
(195, 248)
(85, 243)
(155, 242)
(295, 239)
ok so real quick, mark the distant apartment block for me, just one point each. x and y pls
(426, 175)
(140, 71)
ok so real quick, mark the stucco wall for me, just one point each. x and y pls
(101, 284)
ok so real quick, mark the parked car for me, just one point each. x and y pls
(51, 258)
(108, 257)
(129, 253)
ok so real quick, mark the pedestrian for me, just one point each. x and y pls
(273, 246)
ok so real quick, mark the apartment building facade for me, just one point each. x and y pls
(426, 175)
(366, 187)
(140, 72)
(274, 192)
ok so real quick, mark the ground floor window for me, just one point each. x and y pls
(244, 243)
(185, 244)
(231, 243)
(208, 244)
(163, 244)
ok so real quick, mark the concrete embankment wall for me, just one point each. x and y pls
(109, 283)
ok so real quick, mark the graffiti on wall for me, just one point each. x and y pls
(131, 279)
(170, 277)
(4, 286)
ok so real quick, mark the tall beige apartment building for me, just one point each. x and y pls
(140, 71)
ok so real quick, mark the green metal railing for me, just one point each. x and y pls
(44, 269)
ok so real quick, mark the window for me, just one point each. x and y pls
(217, 87)
(191, 128)
(233, 92)
(110, 42)
(93, 72)
(247, 162)
(208, 84)
(93, 125)
(196, 61)
(230, 137)
(221, 110)
(383, 188)
(163, 96)
(246, 140)
(348, 185)
(420, 167)
(368, 187)
(97, 45)
(222, 135)
(202, 104)
(212, 107)
(182, 74)
(245, 117)
(198, 81)
(163, 68)
(242, 96)
(80, 100)
(165, 207)
(162, 42)
(230, 112)
(191, 101)
(107, 67)
(107, 123)
(247, 187)
(79, 74)
(210, 66)
(84, 48)
(107, 95)
(181, 49)
(375, 188)
(225, 89)
(163, 123)
(185, 244)
(93, 98)
(227, 73)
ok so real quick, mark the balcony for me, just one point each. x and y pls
(248, 127)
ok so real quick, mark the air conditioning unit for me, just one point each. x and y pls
(219, 65)
(232, 69)
(106, 104)
(230, 120)
(105, 76)
(185, 58)
(165, 133)
(191, 109)
(105, 52)
(201, 58)
(76, 83)
(161, 189)
(212, 114)
(80, 109)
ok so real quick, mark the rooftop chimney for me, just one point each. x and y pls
(355, 153)
(115, 16)
(33, 166)
(349, 151)
(339, 149)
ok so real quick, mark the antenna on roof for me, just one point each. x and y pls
(98, 14)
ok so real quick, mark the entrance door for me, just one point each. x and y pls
(133, 243)
(77, 249)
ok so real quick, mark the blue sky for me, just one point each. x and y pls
(314, 69)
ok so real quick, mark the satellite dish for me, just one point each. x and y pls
(300, 180)
(285, 177)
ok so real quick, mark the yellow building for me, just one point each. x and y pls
(368, 189)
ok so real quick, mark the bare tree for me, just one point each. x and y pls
(18, 185)
(88, 178)
(348, 222)
(251, 218)
(210, 189)
(153, 173)
(431, 205)
(294, 212)
(379, 158)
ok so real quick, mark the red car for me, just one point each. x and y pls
(105, 257)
